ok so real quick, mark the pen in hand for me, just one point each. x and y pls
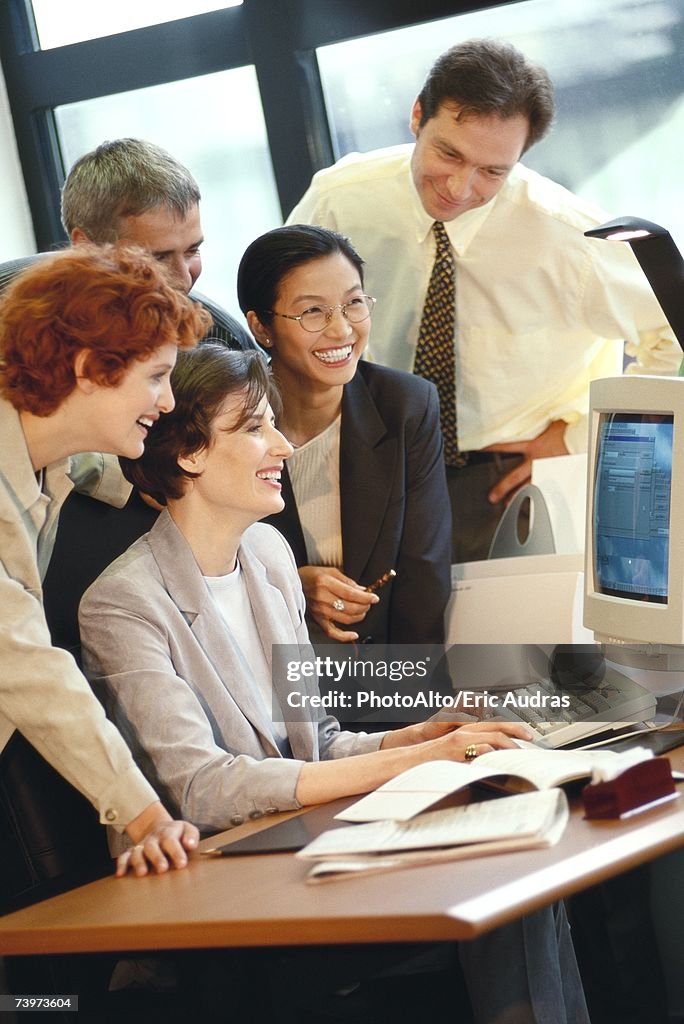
(381, 581)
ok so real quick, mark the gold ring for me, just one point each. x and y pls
(138, 846)
(471, 752)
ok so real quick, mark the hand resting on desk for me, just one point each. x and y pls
(159, 841)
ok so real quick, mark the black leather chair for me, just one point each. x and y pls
(50, 837)
(91, 534)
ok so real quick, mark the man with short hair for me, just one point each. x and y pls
(132, 190)
(538, 310)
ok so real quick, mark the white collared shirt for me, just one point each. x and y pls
(541, 310)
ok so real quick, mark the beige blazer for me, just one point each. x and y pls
(42, 692)
(179, 689)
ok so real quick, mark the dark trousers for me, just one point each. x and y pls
(473, 518)
(617, 951)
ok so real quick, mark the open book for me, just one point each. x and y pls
(519, 770)
(494, 826)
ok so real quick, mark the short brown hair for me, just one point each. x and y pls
(201, 381)
(485, 77)
(114, 301)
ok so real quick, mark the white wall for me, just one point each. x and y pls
(16, 236)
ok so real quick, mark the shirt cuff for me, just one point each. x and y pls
(123, 802)
(576, 436)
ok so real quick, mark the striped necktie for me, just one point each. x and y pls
(435, 350)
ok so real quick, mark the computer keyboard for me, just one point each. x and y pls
(616, 702)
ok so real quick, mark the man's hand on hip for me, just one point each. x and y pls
(550, 442)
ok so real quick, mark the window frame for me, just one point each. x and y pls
(278, 37)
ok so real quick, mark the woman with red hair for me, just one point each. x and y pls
(88, 339)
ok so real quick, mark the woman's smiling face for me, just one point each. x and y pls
(240, 471)
(328, 356)
(127, 411)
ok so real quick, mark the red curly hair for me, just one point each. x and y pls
(114, 301)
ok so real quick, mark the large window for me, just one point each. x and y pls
(60, 22)
(256, 96)
(617, 68)
(231, 163)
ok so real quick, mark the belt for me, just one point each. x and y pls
(476, 457)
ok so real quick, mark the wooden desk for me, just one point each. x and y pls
(264, 900)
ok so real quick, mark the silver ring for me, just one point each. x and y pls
(338, 605)
(138, 846)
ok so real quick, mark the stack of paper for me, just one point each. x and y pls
(512, 823)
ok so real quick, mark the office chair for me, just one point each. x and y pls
(91, 534)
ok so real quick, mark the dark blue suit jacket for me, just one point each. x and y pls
(394, 502)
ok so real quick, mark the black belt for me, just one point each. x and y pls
(474, 458)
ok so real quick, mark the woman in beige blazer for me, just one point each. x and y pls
(88, 337)
(180, 631)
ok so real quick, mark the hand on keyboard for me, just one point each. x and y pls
(615, 703)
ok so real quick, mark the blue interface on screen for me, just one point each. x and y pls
(632, 505)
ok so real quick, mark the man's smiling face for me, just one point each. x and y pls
(461, 161)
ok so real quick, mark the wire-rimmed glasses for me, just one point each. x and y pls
(317, 318)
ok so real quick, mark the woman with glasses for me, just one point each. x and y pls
(365, 489)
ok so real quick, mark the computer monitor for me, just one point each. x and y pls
(634, 561)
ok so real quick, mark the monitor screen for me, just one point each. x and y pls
(634, 553)
(632, 494)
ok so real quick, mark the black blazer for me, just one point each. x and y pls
(394, 502)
